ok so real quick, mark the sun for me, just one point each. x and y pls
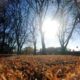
(50, 27)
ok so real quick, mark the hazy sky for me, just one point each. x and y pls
(50, 31)
(53, 42)
(51, 38)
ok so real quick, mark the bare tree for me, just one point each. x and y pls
(17, 24)
(67, 27)
(40, 8)
(6, 33)
(34, 32)
(20, 24)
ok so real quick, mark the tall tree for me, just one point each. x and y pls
(68, 22)
(40, 7)
(19, 23)
(6, 33)
(34, 32)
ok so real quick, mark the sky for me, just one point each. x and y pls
(50, 33)
(55, 43)
(78, 0)
(52, 41)
(50, 29)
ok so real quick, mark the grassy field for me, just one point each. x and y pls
(40, 67)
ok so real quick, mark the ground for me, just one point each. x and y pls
(40, 67)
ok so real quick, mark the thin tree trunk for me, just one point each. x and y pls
(43, 43)
(42, 35)
(35, 47)
(19, 50)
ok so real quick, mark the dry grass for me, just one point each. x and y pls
(40, 67)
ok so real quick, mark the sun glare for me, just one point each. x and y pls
(50, 27)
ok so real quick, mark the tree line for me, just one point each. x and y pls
(21, 23)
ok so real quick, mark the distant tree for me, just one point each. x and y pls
(28, 50)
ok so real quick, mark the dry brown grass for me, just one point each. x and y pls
(40, 67)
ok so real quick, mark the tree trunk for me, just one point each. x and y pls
(19, 50)
(43, 43)
(63, 49)
(34, 47)
(42, 35)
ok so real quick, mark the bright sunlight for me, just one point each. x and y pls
(50, 27)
